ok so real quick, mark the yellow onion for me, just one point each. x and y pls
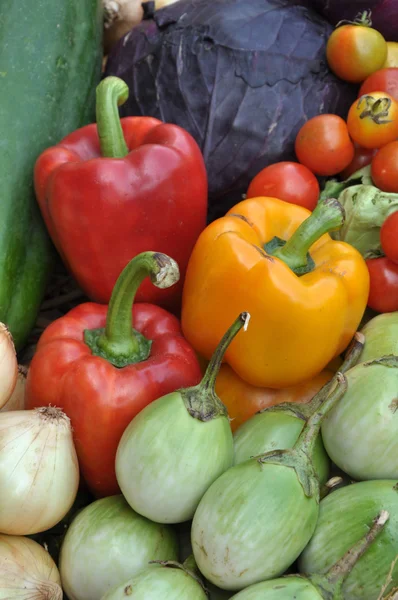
(17, 398)
(27, 571)
(39, 473)
(8, 365)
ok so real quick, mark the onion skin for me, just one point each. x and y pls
(238, 541)
(344, 517)
(381, 334)
(39, 473)
(276, 430)
(17, 398)
(106, 544)
(155, 583)
(361, 433)
(8, 365)
(284, 588)
(27, 571)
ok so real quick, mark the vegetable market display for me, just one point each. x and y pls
(207, 405)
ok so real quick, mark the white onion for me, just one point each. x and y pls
(39, 473)
(27, 571)
(8, 365)
(17, 399)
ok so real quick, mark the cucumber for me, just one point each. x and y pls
(50, 65)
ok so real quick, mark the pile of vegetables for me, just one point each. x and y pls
(218, 418)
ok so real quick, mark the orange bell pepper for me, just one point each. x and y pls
(306, 293)
(244, 400)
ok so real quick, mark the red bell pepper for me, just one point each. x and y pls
(102, 372)
(114, 189)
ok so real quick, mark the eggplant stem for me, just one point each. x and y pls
(308, 436)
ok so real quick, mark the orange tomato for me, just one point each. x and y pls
(324, 146)
(244, 400)
(355, 51)
(385, 80)
(373, 120)
(392, 55)
(385, 169)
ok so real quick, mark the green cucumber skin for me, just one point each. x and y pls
(50, 64)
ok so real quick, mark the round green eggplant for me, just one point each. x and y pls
(275, 429)
(381, 335)
(175, 448)
(159, 582)
(255, 520)
(360, 434)
(106, 544)
(344, 517)
(292, 587)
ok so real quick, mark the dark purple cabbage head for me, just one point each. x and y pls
(242, 76)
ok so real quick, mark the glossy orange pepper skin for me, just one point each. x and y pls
(298, 323)
(244, 400)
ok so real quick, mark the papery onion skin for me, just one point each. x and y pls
(158, 583)
(39, 473)
(106, 544)
(284, 588)
(270, 430)
(27, 571)
(17, 398)
(361, 433)
(242, 542)
(8, 365)
(164, 476)
(344, 517)
(381, 334)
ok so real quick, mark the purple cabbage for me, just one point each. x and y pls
(242, 76)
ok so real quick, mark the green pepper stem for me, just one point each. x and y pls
(327, 216)
(119, 343)
(209, 379)
(111, 93)
(331, 583)
(308, 436)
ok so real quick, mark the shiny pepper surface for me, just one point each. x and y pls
(305, 292)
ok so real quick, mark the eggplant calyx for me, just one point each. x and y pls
(300, 462)
(389, 360)
(202, 404)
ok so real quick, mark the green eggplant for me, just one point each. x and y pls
(318, 587)
(106, 544)
(164, 471)
(361, 433)
(278, 427)
(256, 518)
(165, 580)
(344, 517)
(381, 335)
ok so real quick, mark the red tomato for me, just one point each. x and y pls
(385, 168)
(355, 51)
(383, 294)
(324, 146)
(385, 80)
(373, 120)
(389, 237)
(288, 181)
(362, 158)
